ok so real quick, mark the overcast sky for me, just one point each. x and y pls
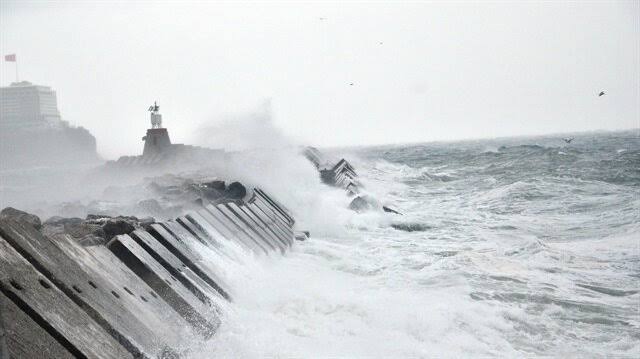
(420, 71)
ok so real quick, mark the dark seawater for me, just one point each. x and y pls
(507, 248)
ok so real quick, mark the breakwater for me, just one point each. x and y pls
(342, 174)
(139, 292)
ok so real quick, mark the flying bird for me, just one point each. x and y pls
(351, 84)
(322, 18)
(568, 140)
(601, 93)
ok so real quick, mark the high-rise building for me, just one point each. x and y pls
(32, 133)
(24, 105)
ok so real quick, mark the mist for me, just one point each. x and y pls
(336, 74)
(206, 179)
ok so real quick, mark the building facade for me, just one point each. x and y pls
(24, 105)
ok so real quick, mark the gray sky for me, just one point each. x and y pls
(420, 71)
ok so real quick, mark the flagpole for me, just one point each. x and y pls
(17, 78)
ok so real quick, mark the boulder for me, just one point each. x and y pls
(18, 215)
(97, 216)
(363, 203)
(61, 221)
(118, 225)
(83, 229)
(235, 191)
(390, 210)
(146, 222)
(198, 202)
(301, 236)
(217, 185)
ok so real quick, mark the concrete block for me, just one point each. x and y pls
(214, 236)
(178, 230)
(269, 229)
(196, 232)
(229, 230)
(270, 210)
(247, 227)
(277, 205)
(135, 294)
(167, 286)
(243, 228)
(196, 245)
(25, 338)
(260, 207)
(93, 294)
(190, 258)
(269, 222)
(257, 227)
(52, 310)
(175, 267)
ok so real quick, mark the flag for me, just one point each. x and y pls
(10, 58)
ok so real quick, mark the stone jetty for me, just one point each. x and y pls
(334, 173)
(123, 287)
(343, 175)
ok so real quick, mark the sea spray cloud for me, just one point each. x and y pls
(246, 131)
(261, 154)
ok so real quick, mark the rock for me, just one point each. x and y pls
(212, 194)
(118, 225)
(97, 216)
(209, 190)
(146, 222)
(301, 236)
(199, 202)
(363, 203)
(236, 191)
(390, 210)
(83, 229)
(53, 220)
(51, 230)
(18, 215)
(217, 185)
(168, 353)
(61, 221)
(96, 229)
(411, 227)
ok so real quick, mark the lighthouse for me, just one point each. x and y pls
(157, 138)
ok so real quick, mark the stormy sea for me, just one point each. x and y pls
(505, 248)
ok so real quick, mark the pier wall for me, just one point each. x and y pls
(137, 295)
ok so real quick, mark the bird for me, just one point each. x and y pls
(567, 139)
(380, 42)
(351, 84)
(322, 18)
(601, 94)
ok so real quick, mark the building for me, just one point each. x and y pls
(24, 105)
(32, 133)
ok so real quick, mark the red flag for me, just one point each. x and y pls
(10, 58)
